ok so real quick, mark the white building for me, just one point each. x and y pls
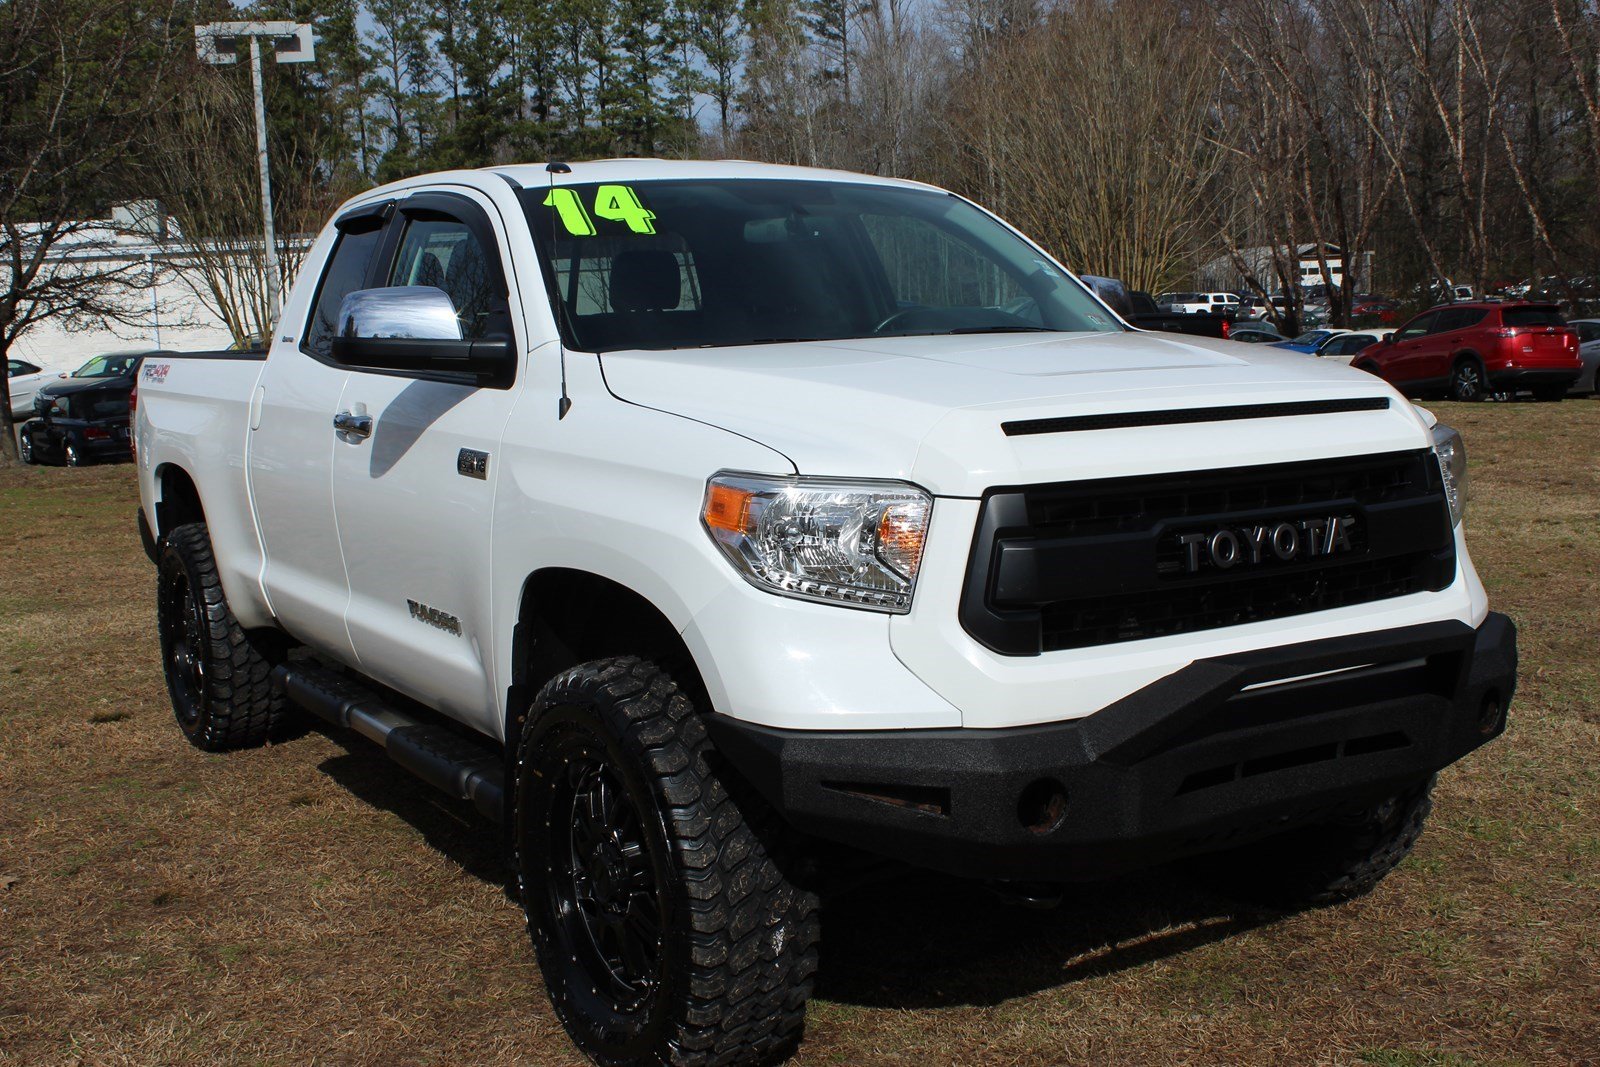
(168, 314)
(1223, 273)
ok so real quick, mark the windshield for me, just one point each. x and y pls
(106, 367)
(687, 264)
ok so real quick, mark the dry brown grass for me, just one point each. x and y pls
(311, 903)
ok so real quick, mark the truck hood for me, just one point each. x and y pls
(929, 409)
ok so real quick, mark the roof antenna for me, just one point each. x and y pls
(563, 405)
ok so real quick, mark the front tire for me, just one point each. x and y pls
(657, 889)
(218, 676)
(1330, 862)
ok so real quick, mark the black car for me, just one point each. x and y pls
(78, 423)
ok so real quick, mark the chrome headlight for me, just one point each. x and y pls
(844, 542)
(1452, 455)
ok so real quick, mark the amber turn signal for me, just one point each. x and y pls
(728, 508)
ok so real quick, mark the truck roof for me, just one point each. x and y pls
(530, 175)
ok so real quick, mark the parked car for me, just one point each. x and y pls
(1589, 354)
(1138, 308)
(1468, 351)
(792, 539)
(113, 370)
(78, 425)
(1309, 342)
(24, 380)
(1345, 346)
(112, 365)
(1257, 333)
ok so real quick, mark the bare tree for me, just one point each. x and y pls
(212, 193)
(78, 82)
(1103, 153)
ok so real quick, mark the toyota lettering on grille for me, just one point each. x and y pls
(1248, 546)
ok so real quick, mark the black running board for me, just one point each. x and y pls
(444, 759)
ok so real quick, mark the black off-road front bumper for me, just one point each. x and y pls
(1220, 752)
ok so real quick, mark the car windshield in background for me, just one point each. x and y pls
(687, 264)
(1525, 317)
(106, 367)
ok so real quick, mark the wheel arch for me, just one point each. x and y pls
(177, 499)
(567, 616)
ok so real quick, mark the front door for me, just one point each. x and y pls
(414, 499)
(1402, 363)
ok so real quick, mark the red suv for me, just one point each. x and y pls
(1466, 351)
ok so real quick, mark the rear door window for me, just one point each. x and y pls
(345, 273)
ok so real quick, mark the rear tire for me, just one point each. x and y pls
(1468, 381)
(25, 449)
(218, 676)
(74, 457)
(1330, 862)
(657, 890)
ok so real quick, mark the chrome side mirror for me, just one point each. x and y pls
(414, 330)
(417, 312)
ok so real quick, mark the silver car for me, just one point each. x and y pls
(1588, 351)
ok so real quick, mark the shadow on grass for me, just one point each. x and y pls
(453, 827)
(919, 940)
(927, 941)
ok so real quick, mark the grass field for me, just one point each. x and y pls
(311, 903)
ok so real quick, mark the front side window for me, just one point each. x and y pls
(697, 263)
(446, 254)
(1416, 327)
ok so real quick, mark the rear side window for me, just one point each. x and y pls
(346, 272)
(1525, 317)
(1459, 319)
(1588, 331)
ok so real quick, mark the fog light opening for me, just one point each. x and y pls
(1491, 713)
(1042, 806)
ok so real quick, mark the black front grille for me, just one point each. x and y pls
(1080, 564)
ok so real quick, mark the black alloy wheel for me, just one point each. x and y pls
(182, 632)
(604, 888)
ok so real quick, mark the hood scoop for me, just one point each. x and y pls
(1178, 416)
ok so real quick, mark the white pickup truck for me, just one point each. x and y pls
(705, 522)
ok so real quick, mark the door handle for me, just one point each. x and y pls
(354, 425)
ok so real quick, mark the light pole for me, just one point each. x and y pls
(218, 43)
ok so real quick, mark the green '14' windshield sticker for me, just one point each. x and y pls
(614, 203)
